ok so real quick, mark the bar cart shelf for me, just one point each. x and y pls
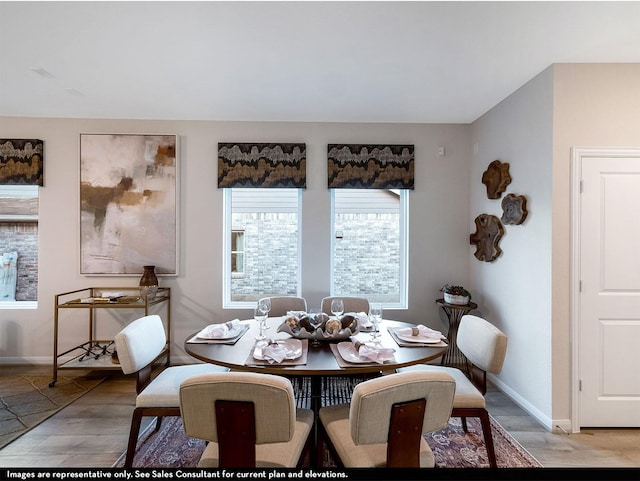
(96, 354)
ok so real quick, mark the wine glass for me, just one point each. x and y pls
(375, 314)
(315, 319)
(260, 315)
(337, 307)
(266, 305)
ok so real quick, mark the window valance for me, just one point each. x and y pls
(21, 161)
(365, 166)
(262, 165)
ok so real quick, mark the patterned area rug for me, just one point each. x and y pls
(452, 447)
(26, 401)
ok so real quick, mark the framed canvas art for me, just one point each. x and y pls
(128, 204)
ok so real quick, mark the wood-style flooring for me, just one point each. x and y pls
(93, 432)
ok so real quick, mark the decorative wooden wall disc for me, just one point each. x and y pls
(514, 209)
(496, 178)
(488, 233)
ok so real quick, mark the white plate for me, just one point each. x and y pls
(229, 335)
(419, 338)
(348, 352)
(293, 349)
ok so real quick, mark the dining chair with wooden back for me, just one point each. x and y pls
(485, 346)
(385, 422)
(140, 345)
(249, 420)
(280, 305)
(351, 304)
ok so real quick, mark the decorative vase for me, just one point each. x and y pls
(456, 300)
(149, 282)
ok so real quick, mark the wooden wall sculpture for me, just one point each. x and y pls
(514, 209)
(488, 233)
(496, 178)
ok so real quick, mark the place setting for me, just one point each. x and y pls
(223, 333)
(417, 336)
(356, 353)
(278, 352)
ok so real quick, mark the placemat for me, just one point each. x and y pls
(251, 361)
(342, 363)
(232, 340)
(402, 343)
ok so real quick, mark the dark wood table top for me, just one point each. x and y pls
(320, 360)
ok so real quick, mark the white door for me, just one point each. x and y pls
(608, 323)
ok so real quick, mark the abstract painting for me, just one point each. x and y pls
(128, 204)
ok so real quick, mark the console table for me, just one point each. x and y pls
(453, 357)
(97, 353)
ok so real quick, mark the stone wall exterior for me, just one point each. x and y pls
(22, 237)
(367, 256)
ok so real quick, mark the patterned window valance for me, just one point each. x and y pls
(364, 166)
(21, 161)
(262, 165)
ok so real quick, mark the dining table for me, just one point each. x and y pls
(321, 360)
(318, 360)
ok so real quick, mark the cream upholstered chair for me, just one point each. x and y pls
(383, 426)
(139, 346)
(281, 304)
(351, 304)
(250, 420)
(485, 346)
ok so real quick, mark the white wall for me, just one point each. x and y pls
(439, 220)
(514, 291)
(596, 105)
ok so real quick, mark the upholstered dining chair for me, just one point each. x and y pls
(281, 304)
(351, 304)
(249, 420)
(485, 346)
(385, 423)
(139, 345)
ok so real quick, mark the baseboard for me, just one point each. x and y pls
(546, 422)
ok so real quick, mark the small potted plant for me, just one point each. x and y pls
(457, 295)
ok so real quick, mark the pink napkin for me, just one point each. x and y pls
(217, 331)
(375, 354)
(273, 352)
(420, 330)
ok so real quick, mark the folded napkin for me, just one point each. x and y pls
(363, 319)
(218, 331)
(375, 354)
(273, 352)
(420, 330)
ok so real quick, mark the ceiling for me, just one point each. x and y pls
(424, 62)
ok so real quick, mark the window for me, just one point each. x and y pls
(262, 244)
(369, 245)
(18, 245)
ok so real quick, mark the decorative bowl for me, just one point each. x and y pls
(330, 329)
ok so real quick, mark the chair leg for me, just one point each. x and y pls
(158, 423)
(488, 438)
(464, 424)
(136, 420)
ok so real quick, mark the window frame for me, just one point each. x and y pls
(403, 273)
(227, 302)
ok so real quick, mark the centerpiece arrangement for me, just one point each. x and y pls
(456, 295)
(319, 326)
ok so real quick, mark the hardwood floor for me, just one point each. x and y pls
(93, 432)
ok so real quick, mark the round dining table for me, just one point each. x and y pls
(321, 359)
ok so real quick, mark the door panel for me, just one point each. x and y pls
(609, 318)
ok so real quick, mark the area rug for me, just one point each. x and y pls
(26, 401)
(452, 447)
